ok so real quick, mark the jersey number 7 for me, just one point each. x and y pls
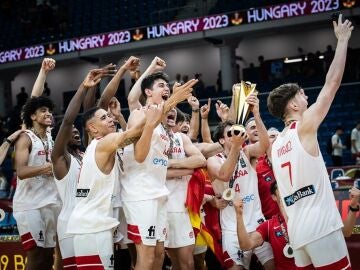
(288, 164)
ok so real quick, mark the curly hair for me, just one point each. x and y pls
(32, 105)
(279, 98)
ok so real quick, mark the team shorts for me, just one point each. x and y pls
(94, 250)
(146, 220)
(230, 242)
(122, 227)
(328, 252)
(117, 235)
(180, 231)
(199, 250)
(37, 227)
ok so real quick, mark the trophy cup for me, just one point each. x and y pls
(242, 109)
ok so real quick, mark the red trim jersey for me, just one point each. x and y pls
(271, 232)
(305, 188)
(266, 177)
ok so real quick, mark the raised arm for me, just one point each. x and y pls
(4, 148)
(60, 156)
(316, 113)
(47, 65)
(194, 121)
(247, 241)
(115, 110)
(223, 171)
(180, 93)
(153, 114)
(222, 110)
(110, 90)
(259, 148)
(205, 130)
(350, 221)
(22, 147)
(157, 64)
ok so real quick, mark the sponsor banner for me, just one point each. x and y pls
(232, 19)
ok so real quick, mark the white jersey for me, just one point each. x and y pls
(305, 188)
(116, 198)
(67, 192)
(177, 186)
(146, 180)
(93, 211)
(36, 192)
(244, 185)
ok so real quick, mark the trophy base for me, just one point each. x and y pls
(238, 129)
(228, 194)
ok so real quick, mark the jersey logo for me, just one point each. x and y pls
(268, 179)
(82, 193)
(151, 231)
(41, 236)
(278, 233)
(299, 194)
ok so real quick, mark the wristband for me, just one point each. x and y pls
(8, 141)
(196, 110)
(354, 209)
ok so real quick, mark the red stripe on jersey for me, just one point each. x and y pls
(340, 264)
(293, 125)
(88, 260)
(69, 263)
(28, 241)
(134, 234)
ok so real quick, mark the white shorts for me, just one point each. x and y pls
(230, 244)
(199, 250)
(68, 253)
(146, 220)
(329, 252)
(122, 227)
(180, 231)
(94, 250)
(117, 234)
(37, 228)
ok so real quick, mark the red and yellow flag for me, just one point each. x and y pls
(209, 234)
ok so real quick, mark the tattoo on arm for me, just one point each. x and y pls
(128, 141)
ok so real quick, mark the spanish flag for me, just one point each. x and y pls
(209, 235)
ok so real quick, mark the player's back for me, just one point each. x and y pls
(305, 189)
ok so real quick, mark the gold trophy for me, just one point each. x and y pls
(242, 108)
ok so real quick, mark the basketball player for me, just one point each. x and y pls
(183, 158)
(92, 220)
(314, 222)
(67, 159)
(234, 169)
(144, 193)
(36, 201)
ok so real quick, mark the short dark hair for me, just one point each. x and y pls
(273, 188)
(32, 105)
(149, 80)
(88, 115)
(187, 117)
(219, 131)
(279, 98)
(179, 116)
